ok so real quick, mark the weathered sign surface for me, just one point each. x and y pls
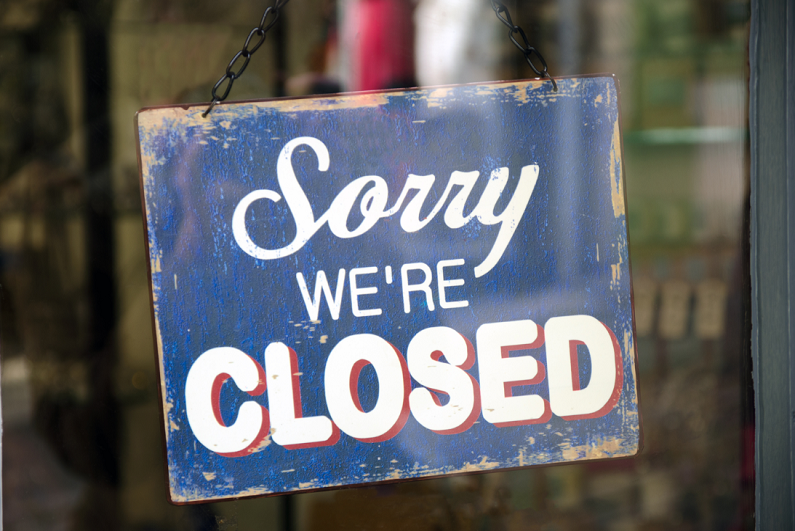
(387, 286)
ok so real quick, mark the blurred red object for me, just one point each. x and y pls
(381, 33)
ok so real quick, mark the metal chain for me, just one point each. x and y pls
(271, 15)
(254, 40)
(524, 45)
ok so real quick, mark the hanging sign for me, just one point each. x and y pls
(386, 286)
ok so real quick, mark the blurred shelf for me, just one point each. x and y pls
(686, 136)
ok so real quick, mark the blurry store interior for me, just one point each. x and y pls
(82, 441)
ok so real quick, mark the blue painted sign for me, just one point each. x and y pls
(386, 286)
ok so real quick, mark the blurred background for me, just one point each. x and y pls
(82, 444)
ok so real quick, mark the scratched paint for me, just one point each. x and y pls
(568, 256)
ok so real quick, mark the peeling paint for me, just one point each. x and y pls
(606, 448)
(438, 97)
(616, 172)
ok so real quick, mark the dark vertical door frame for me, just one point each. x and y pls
(772, 124)
(102, 433)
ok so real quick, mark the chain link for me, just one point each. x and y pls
(271, 15)
(522, 43)
(241, 59)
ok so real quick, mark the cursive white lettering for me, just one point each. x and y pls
(374, 202)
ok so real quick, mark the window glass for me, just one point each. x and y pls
(82, 442)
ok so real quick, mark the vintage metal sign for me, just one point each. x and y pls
(385, 286)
